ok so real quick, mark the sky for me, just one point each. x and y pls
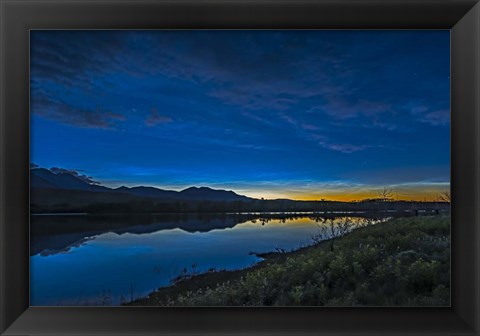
(311, 114)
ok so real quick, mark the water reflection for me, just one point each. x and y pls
(88, 260)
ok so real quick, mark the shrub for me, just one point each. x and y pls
(404, 261)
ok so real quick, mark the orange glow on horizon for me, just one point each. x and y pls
(345, 196)
(360, 197)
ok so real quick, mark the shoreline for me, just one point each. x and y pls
(402, 212)
(210, 278)
(318, 260)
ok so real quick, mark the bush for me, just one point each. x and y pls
(404, 261)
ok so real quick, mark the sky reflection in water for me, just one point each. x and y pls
(112, 266)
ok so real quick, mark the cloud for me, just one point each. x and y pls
(289, 119)
(344, 148)
(309, 127)
(436, 118)
(256, 96)
(55, 109)
(389, 126)
(75, 173)
(329, 74)
(429, 114)
(156, 118)
(348, 148)
(351, 107)
(71, 57)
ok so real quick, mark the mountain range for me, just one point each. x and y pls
(59, 190)
(42, 179)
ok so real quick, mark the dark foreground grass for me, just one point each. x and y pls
(402, 262)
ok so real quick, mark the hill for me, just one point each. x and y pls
(61, 190)
(67, 191)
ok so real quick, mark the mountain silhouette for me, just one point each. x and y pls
(205, 193)
(42, 179)
(149, 192)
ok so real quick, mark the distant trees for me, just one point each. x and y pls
(382, 200)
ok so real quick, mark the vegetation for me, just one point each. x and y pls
(99, 204)
(402, 262)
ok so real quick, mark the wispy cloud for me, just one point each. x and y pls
(56, 109)
(155, 118)
(436, 118)
(323, 73)
(429, 114)
(344, 148)
(76, 173)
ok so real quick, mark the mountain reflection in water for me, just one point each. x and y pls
(107, 259)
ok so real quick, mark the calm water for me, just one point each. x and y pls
(95, 260)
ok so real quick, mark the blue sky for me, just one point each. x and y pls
(298, 114)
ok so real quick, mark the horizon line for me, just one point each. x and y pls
(353, 195)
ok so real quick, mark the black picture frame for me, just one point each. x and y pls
(17, 17)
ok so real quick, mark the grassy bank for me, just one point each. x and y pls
(405, 261)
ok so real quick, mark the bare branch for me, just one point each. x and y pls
(386, 194)
(444, 196)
